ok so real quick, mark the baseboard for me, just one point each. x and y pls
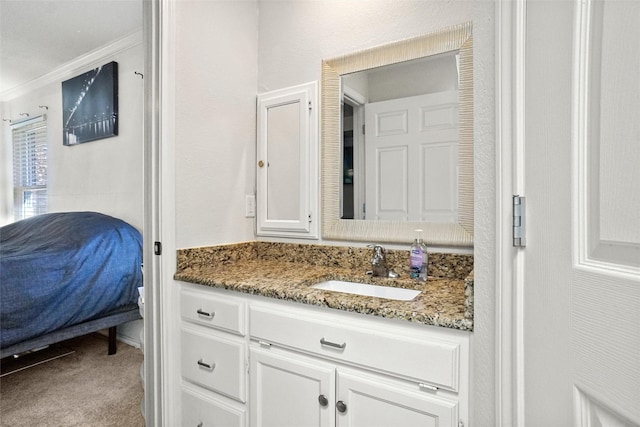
(129, 333)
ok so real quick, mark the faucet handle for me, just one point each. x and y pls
(376, 246)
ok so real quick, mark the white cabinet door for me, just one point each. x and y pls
(290, 390)
(287, 170)
(365, 400)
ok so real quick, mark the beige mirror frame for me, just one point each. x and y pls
(460, 234)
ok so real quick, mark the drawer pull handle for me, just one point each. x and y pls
(200, 424)
(323, 400)
(206, 365)
(341, 406)
(205, 314)
(332, 344)
(428, 387)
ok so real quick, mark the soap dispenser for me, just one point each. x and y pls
(418, 258)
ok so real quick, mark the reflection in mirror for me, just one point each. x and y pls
(406, 166)
(383, 192)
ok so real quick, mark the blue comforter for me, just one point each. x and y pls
(60, 269)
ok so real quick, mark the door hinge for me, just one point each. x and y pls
(157, 248)
(519, 230)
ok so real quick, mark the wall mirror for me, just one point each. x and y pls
(412, 165)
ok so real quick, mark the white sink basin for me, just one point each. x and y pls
(365, 289)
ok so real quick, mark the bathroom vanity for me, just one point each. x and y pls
(261, 347)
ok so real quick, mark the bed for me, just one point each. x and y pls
(64, 275)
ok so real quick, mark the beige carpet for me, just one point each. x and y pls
(85, 388)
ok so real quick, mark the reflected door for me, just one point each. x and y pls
(412, 158)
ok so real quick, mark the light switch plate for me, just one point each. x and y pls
(249, 206)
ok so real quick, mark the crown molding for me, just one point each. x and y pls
(75, 66)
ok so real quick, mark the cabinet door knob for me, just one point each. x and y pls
(260, 163)
(341, 406)
(200, 424)
(323, 400)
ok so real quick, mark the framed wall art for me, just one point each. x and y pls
(90, 105)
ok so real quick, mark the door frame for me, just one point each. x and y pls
(357, 101)
(160, 210)
(159, 253)
(510, 144)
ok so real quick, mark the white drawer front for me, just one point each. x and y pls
(215, 363)
(213, 311)
(200, 411)
(434, 362)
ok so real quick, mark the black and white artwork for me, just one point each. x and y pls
(90, 105)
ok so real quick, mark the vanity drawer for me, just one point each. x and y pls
(200, 410)
(214, 362)
(413, 356)
(213, 311)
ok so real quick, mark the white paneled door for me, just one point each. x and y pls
(579, 343)
(412, 158)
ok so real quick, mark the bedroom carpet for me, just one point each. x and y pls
(84, 388)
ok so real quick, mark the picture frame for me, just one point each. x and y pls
(90, 105)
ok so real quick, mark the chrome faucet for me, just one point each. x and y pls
(379, 263)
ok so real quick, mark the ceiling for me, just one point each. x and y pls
(38, 36)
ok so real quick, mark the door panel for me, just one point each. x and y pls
(440, 160)
(285, 390)
(391, 181)
(608, 135)
(284, 139)
(370, 402)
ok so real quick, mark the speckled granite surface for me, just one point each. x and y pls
(287, 270)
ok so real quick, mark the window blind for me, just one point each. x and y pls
(30, 167)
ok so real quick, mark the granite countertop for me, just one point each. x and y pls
(265, 268)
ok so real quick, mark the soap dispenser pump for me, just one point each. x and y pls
(418, 258)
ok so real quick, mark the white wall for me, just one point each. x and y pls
(103, 175)
(414, 78)
(216, 50)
